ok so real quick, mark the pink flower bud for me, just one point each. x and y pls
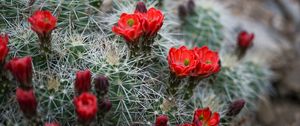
(52, 124)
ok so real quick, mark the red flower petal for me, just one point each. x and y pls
(86, 107)
(42, 22)
(181, 61)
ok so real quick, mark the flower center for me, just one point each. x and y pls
(85, 102)
(186, 62)
(130, 22)
(46, 20)
(208, 62)
(201, 117)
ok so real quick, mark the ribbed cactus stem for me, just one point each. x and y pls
(174, 83)
(191, 85)
(45, 42)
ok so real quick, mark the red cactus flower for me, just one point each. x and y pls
(86, 107)
(245, 39)
(162, 120)
(152, 21)
(52, 124)
(21, 68)
(204, 117)
(3, 47)
(129, 27)
(83, 81)
(27, 102)
(209, 62)
(182, 61)
(42, 22)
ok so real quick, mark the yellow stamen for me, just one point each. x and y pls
(130, 22)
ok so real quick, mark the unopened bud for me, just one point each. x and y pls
(101, 85)
(182, 12)
(191, 6)
(235, 107)
(141, 7)
(105, 105)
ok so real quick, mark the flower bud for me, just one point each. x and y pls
(182, 12)
(105, 105)
(235, 107)
(3, 47)
(162, 120)
(101, 85)
(191, 7)
(245, 39)
(21, 68)
(27, 102)
(83, 81)
(141, 7)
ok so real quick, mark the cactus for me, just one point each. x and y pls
(83, 39)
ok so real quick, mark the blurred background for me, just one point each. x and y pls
(280, 22)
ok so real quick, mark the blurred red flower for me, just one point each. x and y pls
(3, 47)
(245, 39)
(152, 21)
(42, 22)
(204, 117)
(27, 101)
(129, 27)
(21, 68)
(162, 120)
(182, 61)
(86, 107)
(52, 124)
(209, 62)
(83, 81)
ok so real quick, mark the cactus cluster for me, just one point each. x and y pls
(139, 84)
